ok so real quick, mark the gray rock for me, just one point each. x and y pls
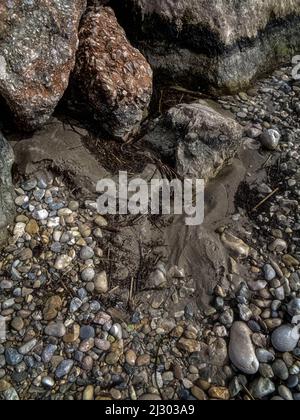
(11, 395)
(55, 329)
(87, 332)
(264, 356)
(280, 370)
(222, 44)
(38, 42)
(28, 347)
(48, 382)
(199, 137)
(86, 253)
(64, 368)
(48, 353)
(270, 273)
(116, 331)
(262, 387)
(270, 139)
(241, 349)
(285, 393)
(13, 357)
(294, 307)
(7, 206)
(285, 338)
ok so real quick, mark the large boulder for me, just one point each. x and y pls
(114, 78)
(7, 207)
(38, 42)
(199, 138)
(221, 43)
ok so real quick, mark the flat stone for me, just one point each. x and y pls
(64, 368)
(241, 349)
(55, 329)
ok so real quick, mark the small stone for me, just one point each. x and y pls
(52, 307)
(72, 334)
(294, 307)
(270, 273)
(189, 345)
(75, 305)
(241, 350)
(100, 221)
(262, 387)
(236, 245)
(270, 139)
(17, 324)
(143, 360)
(64, 369)
(40, 214)
(285, 393)
(264, 356)
(13, 357)
(32, 228)
(62, 262)
(28, 347)
(103, 345)
(86, 253)
(198, 393)
(220, 393)
(88, 393)
(55, 329)
(285, 338)
(48, 382)
(116, 331)
(87, 332)
(280, 370)
(88, 274)
(101, 283)
(130, 357)
(48, 353)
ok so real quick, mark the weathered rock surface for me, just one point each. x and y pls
(198, 137)
(114, 78)
(225, 43)
(7, 208)
(38, 42)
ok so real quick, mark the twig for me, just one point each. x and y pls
(265, 199)
(248, 392)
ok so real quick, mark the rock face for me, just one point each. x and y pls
(198, 137)
(114, 78)
(38, 42)
(7, 208)
(241, 349)
(224, 43)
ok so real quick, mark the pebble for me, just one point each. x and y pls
(270, 139)
(101, 283)
(262, 388)
(55, 329)
(264, 356)
(86, 253)
(48, 382)
(13, 357)
(241, 349)
(293, 307)
(285, 393)
(285, 338)
(62, 262)
(64, 368)
(270, 273)
(88, 274)
(87, 332)
(280, 370)
(88, 393)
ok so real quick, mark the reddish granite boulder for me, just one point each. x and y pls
(38, 42)
(114, 77)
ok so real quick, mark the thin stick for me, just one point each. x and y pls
(248, 393)
(265, 199)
